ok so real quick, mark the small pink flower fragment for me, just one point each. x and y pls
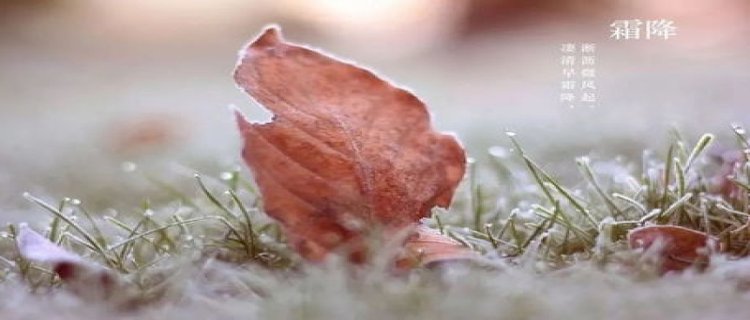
(82, 277)
(721, 182)
(37, 248)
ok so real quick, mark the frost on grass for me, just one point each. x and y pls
(556, 250)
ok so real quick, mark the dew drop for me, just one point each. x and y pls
(264, 238)
(738, 129)
(226, 176)
(111, 212)
(128, 166)
(498, 152)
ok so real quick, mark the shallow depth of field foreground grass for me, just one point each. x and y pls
(551, 249)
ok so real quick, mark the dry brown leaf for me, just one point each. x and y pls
(427, 247)
(678, 247)
(345, 153)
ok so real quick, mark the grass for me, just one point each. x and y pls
(215, 253)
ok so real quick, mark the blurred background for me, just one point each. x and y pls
(103, 100)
